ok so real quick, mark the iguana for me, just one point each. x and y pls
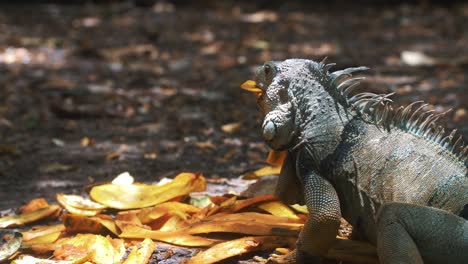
(393, 173)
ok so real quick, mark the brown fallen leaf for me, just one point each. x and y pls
(244, 227)
(276, 158)
(87, 247)
(278, 209)
(141, 253)
(176, 238)
(231, 127)
(33, 205)
(353, 251)
(48, 238)
(182, 210)
(84, 224)
(79, 205)
(143, 195)
(267, 170)
(241, 246)
(41, 231)
(50, 211)
(248, 202)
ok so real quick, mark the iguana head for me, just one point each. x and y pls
(277, 101)
(297, 96)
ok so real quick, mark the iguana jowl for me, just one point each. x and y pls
(395, 175)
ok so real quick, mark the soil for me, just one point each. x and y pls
(88, 91)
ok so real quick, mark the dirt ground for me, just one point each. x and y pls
(90, 91)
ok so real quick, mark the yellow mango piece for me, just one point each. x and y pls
(278, 209)
(141, 253)
(241, 246)
(17, 220)
(176, 238)
(143, 195)
(251, 86)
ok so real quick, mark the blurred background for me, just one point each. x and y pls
(90, 89)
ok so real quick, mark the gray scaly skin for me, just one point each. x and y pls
(392, 173)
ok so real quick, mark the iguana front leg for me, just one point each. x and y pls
(408, 233)
(319, 232)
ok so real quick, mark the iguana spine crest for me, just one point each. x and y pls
(378, 109)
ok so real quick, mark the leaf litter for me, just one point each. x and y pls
(126, 221)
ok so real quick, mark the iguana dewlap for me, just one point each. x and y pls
(395, 175)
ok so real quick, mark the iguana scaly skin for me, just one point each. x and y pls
(392, 173)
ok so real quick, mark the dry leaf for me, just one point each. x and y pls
(144, 195)
(141, 253)
(241, 246)
(267, 170)
(276, 158)
(244, 227)
(248, 202)
(10, 242)
(48, 238)
(278, 209)
(300, 208)
(176, 238)
(182, 210)
(50, 211)
(231, 127)
(41, 231)
(25, 259)
(79, 205)
(86, 247)
(33, 205)
(83, 224)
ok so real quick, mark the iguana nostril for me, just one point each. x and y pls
(269, 130)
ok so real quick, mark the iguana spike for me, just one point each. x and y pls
(416, 125)
(410, 120)
(404, 115)
(429, 129)
(324, 60)
(387, 116)
(348, 83)
(328, 66)
(457, 143)
(396, 117)
(446, 141)
(360, 96)
(346, 72)
(440, 135)
(415, 117)
(429, 119)
(464, 152)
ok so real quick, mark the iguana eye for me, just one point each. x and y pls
(269, 71)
